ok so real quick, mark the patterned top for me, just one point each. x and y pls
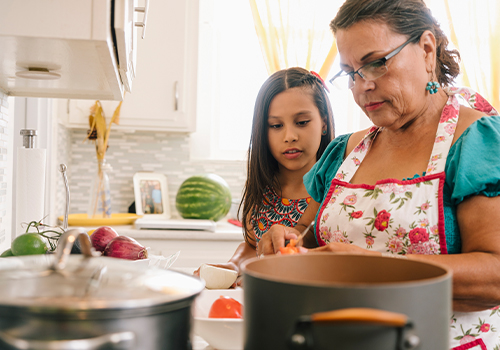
(277, 210)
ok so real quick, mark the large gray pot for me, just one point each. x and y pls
(282, 292)
(88, 303)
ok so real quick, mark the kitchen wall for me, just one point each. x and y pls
(131, 152)
(4, 173)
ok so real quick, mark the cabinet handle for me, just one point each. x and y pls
(176, 96)
(143, 24)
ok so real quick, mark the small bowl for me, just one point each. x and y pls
(220, 333)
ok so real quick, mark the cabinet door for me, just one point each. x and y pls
(164, 91)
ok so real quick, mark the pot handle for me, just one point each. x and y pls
(122, 341)
(66, 241)
(301, 337)
(362, 315)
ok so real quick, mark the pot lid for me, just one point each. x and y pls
(87, 282)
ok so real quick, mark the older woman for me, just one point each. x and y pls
(424, 182)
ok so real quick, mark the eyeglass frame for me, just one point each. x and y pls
(383, 60)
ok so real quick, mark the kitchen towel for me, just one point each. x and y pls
(30, 187)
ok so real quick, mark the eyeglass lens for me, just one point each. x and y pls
(369, 72)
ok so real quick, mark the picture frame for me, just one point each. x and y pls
(151, 195)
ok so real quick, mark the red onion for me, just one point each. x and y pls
(101, 237)
(126, 248)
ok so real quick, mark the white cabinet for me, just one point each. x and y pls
(67, 48)
(164, 91)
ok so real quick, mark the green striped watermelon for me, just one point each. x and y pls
(203, 197)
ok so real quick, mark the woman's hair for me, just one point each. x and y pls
(262, 167)
(407, 17)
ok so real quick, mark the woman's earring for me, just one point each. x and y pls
(324, 132)
(432, 87)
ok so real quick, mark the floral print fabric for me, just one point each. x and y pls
(277, 210)
(405, 216)
(374, 213)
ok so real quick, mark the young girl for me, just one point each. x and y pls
(292, 126)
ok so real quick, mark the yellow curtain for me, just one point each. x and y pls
(296, 33)
(475, 32)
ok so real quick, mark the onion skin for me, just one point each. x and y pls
(125, 248)
(101, 237)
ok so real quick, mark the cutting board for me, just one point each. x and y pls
(173, 224)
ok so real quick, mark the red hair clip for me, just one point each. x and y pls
(320, 79)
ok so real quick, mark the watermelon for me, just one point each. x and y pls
(203, 197)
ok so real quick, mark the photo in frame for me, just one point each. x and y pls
(151, 195)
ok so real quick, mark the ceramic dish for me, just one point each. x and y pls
(220, 333)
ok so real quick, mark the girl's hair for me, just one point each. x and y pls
(262, 167)
(407, 17)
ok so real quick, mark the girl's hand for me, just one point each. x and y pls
(343, 248)
(275, 238)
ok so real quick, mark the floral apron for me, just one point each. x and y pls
(406, 217)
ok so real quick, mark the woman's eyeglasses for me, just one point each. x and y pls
(369, 71)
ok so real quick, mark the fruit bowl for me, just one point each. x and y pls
(220, 333)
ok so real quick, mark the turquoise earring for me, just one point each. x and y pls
(324, 132)
(432, 87)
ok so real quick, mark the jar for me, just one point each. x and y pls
(100, 195)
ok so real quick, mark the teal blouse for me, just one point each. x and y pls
(472, 168)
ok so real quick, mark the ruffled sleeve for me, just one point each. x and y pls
(473, 163)
(318, 179)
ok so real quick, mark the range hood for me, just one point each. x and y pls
(78, 49)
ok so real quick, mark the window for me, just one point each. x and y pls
(231, 71)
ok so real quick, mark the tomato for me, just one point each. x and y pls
(226, 307)
(290, 248)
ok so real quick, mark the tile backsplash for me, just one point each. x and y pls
(129, 153)
(4, 120)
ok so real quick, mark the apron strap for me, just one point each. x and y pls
(444, 136)
(474, 99)
(354, 159)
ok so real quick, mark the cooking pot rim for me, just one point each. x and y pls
(447, 273)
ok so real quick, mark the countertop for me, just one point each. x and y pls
(223, 232)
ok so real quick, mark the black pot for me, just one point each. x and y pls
(405, 304)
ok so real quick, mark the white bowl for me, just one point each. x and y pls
(220, 333)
